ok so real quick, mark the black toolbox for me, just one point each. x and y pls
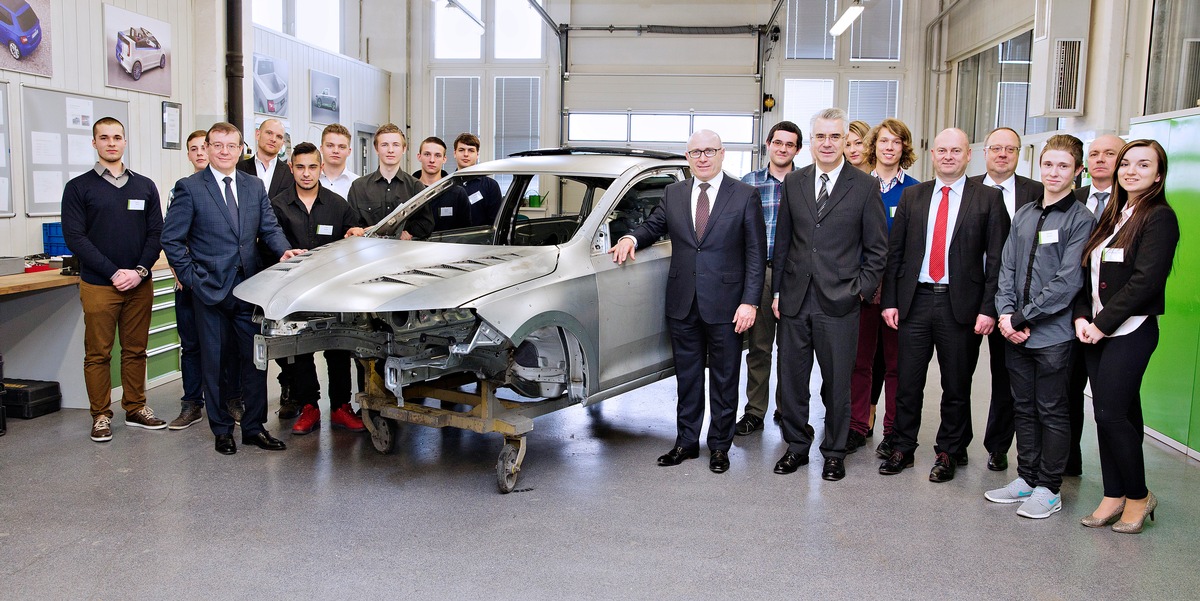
(28, 399)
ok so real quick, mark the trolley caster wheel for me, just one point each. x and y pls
(508, 467)
(384, 432)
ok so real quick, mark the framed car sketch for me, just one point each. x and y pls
(137, 52)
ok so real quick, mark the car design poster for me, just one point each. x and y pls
(269, 76)
(326, 98)
(25, 34)
(138, 51)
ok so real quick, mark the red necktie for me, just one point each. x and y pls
(937, 254)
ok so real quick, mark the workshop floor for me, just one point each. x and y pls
(154, 515)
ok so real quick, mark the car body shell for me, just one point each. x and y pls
(545, 319)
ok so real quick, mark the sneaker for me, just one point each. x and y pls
(1014, 492)
(1041, 504)
(236, 410)
(188, 416)
(345, 419)
(144, 418)
(309, 420)
(102, 429)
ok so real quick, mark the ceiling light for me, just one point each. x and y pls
(847, 18)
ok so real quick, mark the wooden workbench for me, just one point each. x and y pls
(38, 280)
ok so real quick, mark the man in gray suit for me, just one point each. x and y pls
(210, 239)
(718, 257)
(830, 243)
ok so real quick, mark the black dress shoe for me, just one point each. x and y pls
(943, 468)
(676, 456)
(835, 469)
(225, 444)
(896, 463)
(790, 462)
(719, 462)
(960, 458)
(884, 450)
(264, 441)
(997, 462)
(748, 424)
(288, 412)
(855, 440)
(777, 416)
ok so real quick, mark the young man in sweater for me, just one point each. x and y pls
(1041, 271)
(112, 222)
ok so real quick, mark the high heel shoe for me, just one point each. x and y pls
(1136, 527)
(1092, 521)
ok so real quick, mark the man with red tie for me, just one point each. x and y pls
(939, 291)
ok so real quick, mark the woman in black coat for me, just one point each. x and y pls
(1127, 261)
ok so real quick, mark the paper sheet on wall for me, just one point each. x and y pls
(47, 187)
(3, 151)
(45, 148)
(79, 113)
(5, 200)
(79, 150)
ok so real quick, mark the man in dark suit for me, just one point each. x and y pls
(210, 237)
(266, 165)
(939, 291)
(718, 258)
(830, 242)
(1001, 151)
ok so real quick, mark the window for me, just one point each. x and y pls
(993, 91)
(666, 131)
(268, 13)
(319, 22)
(808, 23)
(518, 118)
(1173, 78)
(458, 29)
(659, 128)
(597, 127)
(872, 101)
(456, 108)
(803, 98)
(875, 35)
(520, 30)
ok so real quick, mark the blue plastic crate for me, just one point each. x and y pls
(53, 242)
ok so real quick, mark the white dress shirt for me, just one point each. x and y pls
(833, 177)
(221, 184)
(1094, 260)
(267, 171)
(339, 184)
(715, 182)
(956, 190)
(1091, 199)
(1009, 187)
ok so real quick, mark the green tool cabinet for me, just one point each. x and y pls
(162, 349)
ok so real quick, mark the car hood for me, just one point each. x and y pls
(363, 275)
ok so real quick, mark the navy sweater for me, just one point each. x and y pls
(105, 229)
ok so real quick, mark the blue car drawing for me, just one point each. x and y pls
(20, 28)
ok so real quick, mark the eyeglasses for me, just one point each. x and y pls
(217, 146)
(708, 152)
(782, 144)
(945, 151)
(835, 138)
(1004, 149)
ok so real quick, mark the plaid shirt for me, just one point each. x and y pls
(770, 190)
(888, 185)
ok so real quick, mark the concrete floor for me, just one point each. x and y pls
(155, 515)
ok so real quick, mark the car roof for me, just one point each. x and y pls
(14, 5)
(576, 164)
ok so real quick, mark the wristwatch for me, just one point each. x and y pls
(142, 271)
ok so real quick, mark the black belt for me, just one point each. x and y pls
(934, 288)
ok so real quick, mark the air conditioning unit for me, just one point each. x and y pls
(1189, 75)
(1058, 69)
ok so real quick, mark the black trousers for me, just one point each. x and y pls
(337, 364)
(695, 345)
(228, 327)
(1116, 366)
(834, 342)
(300, 372)
(1043, 427)
(931, 326)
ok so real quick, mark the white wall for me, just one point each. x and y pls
(78, 58)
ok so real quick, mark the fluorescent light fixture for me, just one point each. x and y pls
(466, 11)
(847, 18)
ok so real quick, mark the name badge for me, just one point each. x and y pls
(1112, 255)
(475, 197)
(892, 212)
(324, 230)
(1048, 237)
(137, 204)
(446, 212)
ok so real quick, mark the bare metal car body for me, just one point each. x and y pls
(531, 301)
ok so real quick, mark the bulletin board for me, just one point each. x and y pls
(58, 142)
(6, 204)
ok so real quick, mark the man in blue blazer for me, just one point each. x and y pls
(210, 237)
(718, 262)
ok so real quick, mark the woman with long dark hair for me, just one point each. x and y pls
(1127, 261)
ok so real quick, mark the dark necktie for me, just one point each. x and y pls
(702, 210)
(937, 254)
(823, 195)
(1101, 200)
(231, 202)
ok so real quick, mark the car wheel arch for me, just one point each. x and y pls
(569, 342)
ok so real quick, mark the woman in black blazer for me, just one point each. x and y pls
(1127, 261)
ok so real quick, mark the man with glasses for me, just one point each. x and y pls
(939, 292)
(783, 142)
(718, 253)
(1001, 150)
(830, 243)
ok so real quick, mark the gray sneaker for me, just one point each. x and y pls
(187, 417)
(1014, 492)
(144, 418)
(1041, 504)
(102, 429)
